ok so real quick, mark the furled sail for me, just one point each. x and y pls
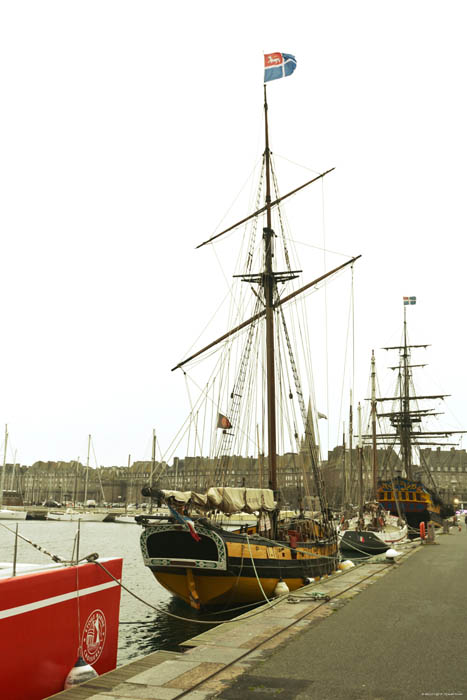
(226, 499)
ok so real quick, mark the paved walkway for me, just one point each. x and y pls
(401, 638)
(405, 637)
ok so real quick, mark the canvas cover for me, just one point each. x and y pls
(226, 499)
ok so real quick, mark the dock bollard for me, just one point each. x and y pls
(430, 535)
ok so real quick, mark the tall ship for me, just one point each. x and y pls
(411, 491)
(258, 400)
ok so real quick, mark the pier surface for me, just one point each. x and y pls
(404, 637)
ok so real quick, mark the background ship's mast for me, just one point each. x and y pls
(405, 419)
(373, 426)
(405, 424)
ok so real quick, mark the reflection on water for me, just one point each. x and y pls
(156, 630)
(150, 629)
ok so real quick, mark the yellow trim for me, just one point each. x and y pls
(192, 592)
(303, 551)
(217, 590)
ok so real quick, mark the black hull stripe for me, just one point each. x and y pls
(272, 569)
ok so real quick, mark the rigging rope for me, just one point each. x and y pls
(319, 486)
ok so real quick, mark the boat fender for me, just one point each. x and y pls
(80, 673)
(391, 554)
(281, 588)
(347, 564)
(381, 521)
(422, 530)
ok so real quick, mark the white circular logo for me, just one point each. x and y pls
(94, 634)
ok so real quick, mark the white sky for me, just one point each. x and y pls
(126, 131)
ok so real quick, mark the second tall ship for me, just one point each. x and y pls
(410, 492)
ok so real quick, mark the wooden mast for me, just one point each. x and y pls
(2, 481)
(360, 461)
(351, 474)
(406, 422)
(373, 424)
(268, 286)
(153, 465)
(345, 492)
(86, 477)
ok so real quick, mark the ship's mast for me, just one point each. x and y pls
(86, 477)
(405, 422)
(267, 280)
(360, 460)
(2, 481)
(268, 286)
(373, 424)
(405, 418)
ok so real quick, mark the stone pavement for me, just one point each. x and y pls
(403, 638)
(398, 639)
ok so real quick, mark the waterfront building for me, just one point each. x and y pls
(70, 482)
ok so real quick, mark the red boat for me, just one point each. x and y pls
(51, 615)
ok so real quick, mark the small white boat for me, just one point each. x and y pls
(370, 535)
(6, 514)
(130, 519)
(74, 515)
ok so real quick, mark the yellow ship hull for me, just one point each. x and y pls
(230, 568)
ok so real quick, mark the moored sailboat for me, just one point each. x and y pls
(369, 529)
(189, 553)
(8, 513)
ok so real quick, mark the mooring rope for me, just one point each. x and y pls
(54, 557)
(254, 569)
(179, 617)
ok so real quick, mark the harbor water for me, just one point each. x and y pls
(142, 629)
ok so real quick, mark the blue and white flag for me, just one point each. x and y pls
(278, 65)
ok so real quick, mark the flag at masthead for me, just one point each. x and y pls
(278, 65)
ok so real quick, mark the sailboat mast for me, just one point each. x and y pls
(12, 482)
(2, 480)
(373, 423)
(87, 472)
(345, 492)
(153, 464)
(351, 475)
(360, 460)
(268, 286)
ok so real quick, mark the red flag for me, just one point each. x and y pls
(223, 422)
(193, 532)
(186, 521)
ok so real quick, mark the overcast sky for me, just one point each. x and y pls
(127, 130)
